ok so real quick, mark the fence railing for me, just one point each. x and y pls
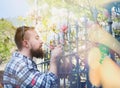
(71, 75)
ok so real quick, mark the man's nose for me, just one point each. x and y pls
(41, 42)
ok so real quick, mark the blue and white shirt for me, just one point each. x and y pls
(22, 72)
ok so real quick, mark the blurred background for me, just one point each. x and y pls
(63, 22)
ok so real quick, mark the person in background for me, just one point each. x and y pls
(103, 70)
(21, 71)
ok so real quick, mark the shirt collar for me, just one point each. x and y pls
(25, 58)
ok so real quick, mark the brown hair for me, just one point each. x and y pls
(19, 35)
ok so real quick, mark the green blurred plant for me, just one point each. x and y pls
(6, 39)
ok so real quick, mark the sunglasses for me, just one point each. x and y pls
(24, 28)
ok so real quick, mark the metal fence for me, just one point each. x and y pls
(73, 68)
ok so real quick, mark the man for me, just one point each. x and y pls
(21, 71)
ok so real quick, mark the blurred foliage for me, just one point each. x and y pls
(7, 31)
(80, 8)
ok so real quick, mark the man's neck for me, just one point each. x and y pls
(26, 53)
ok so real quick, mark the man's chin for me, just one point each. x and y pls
(38, 57)
(38, 54)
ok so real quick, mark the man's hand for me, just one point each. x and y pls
(57, 53)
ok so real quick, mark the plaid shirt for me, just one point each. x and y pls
(22, 72)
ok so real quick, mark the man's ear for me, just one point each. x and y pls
(25, 43)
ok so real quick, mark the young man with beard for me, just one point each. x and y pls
(21, 71)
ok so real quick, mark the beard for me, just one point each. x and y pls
(39, 53)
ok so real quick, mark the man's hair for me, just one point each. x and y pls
(19, 35)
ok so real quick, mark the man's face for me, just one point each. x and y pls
(35, 44)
